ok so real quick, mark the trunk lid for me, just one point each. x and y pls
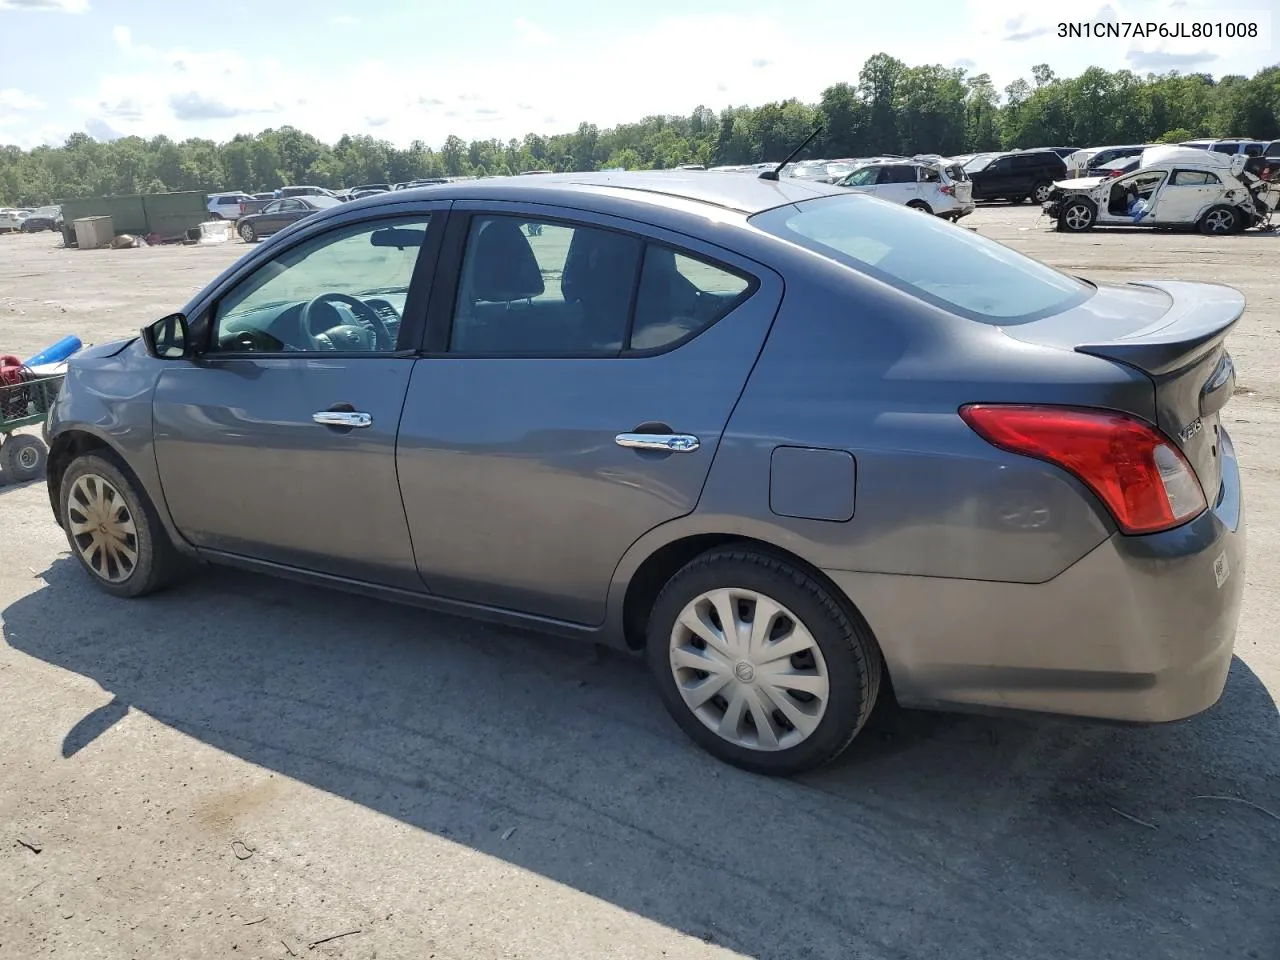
(1174, 333)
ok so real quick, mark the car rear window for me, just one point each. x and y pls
(948, 266)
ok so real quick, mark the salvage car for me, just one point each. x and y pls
(275, 215)
(801, 447)
(43, 218)
(942, 189)
(1172, 187)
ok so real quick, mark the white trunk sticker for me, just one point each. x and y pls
(1220, 569)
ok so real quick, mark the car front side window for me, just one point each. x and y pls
(343, 291)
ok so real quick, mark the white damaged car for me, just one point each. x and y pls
(1176, 187)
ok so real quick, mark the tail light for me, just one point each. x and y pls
(242, 208)
(948, 190)
(1134, 469)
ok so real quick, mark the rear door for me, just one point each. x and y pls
(961, 186)
(1187, 194)
(572, 396)
(898, 183)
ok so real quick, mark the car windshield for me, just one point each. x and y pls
(980, 162)
(957, 270)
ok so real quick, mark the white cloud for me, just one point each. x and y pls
(15, 99)
(58, 6)
(344, 20)
(123, 37)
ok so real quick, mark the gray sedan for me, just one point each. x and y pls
(801, 447)
(278, 214)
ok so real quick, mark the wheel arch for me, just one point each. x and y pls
(649, 567)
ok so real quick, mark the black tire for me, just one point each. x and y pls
(1215, 222)
(1077, 214)
(853, 661)
(247, 233)
(22, 458)
(1040, 191)
(920, 205)
(157, 564)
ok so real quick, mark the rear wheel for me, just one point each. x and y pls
(1076, 215)
(1040, 192)
(113, 530)
(247, 233)
(919, 205)
(22, 458)
(759, 664)
(1219, 221)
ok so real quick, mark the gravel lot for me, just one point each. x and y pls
(245, 767)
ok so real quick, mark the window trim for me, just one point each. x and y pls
(416, 300)
(439, 328)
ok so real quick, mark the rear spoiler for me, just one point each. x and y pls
(1196, 322)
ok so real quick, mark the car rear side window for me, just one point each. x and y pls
(680, 296)
(952, 268)
(532, 288)
(1193, 178)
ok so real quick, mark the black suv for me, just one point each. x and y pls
(1017, 176)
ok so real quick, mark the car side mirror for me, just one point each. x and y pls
(169, 338)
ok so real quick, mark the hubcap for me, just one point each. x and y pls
(102, 528)
(1042, 194)
(28, 457)
(749, 669)
(1220, 221)
(246, 232)
(1078, 217)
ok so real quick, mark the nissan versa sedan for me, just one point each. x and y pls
(802, 447)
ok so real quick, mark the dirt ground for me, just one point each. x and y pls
(244, 767)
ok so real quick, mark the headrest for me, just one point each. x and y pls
(600, 264)
(504, 267)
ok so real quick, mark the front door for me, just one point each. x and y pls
(1120, 196)
(576, 402)
(278, 442)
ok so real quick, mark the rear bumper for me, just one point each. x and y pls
(1138, 630)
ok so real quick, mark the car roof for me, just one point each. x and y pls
(731, 191)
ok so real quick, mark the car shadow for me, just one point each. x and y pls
(936, 835)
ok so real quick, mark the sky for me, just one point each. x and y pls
(422, 69)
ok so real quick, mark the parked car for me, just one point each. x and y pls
(1117, 168)
(818, 171)
(943, 190)
(371, 188)
(43, 218)
(809, 443)
(305, 192)
(269, 195)
(226, 206)
(278, 214)
(12, 219)
(1063, 152)
(1083, 162)
(1026, 174)
(1172, 187)
(1251, 148)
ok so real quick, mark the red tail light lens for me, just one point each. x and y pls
(948, 190)
(1136, 471)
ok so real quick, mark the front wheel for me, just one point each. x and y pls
(247, 233)
(759, 664)
(1077, 215)
(1219, 222)
(113, 530)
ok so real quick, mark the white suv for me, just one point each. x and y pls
(226, 206)
(941, 188)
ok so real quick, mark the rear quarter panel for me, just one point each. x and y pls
(854, 365)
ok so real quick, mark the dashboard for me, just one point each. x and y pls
(332, 326)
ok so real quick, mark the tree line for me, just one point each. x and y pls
(892, 108)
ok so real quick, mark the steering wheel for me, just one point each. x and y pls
(365, 313)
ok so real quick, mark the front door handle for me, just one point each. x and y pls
(666, 442)
(342, 418)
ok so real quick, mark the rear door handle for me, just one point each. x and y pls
(667, 442)
(342, 418)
